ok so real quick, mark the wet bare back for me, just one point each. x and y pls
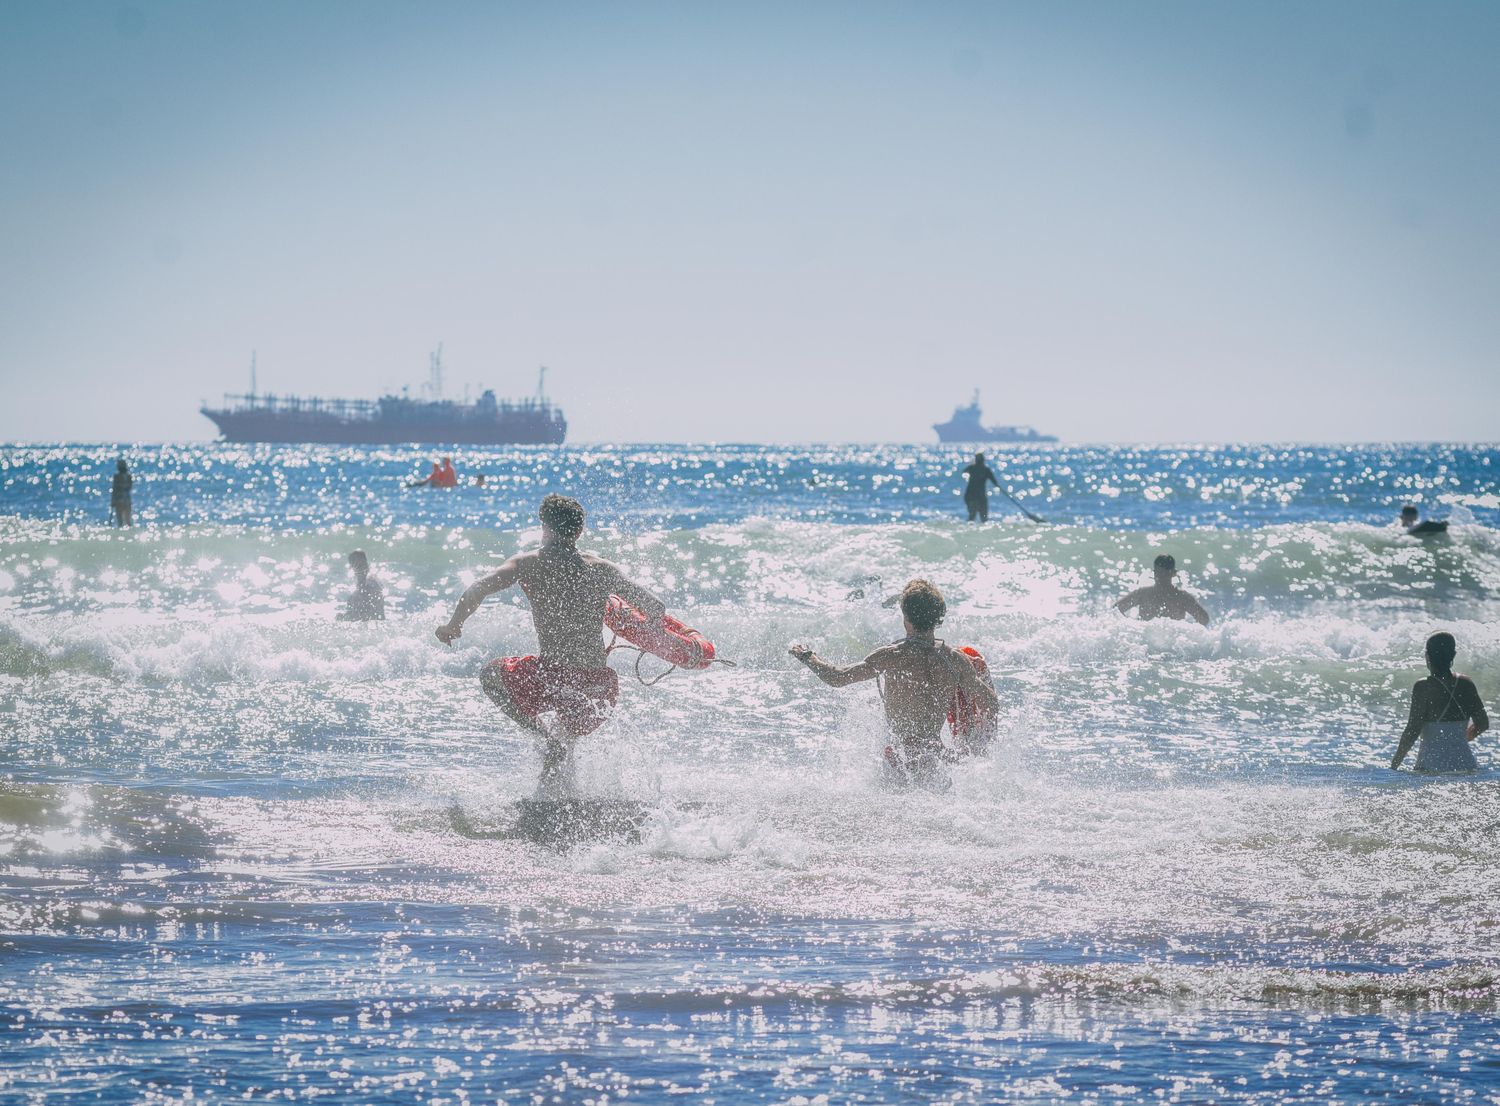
(568, 591)
(1164, 601)
(918, 682)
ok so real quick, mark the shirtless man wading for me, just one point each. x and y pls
(568, 591)
(920, 676)
(1163, 599)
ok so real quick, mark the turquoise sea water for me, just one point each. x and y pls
(229, 865)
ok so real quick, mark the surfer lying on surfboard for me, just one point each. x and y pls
(569, 593)
(923, 682)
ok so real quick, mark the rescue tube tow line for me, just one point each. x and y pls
(667, 638)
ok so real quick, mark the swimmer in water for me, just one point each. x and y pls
(568, 591)
(366, 603)
(918, 677)
(1163, 599)
(1411, 522)
(1446, 714)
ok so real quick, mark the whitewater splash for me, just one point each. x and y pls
(223, 813)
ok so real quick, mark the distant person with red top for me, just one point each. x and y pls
(569, 591)
(441, 476)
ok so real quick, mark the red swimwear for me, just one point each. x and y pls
(581, 697)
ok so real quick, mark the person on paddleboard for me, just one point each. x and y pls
(919, 678)
(568, 591)
(1163, 599)
(1447, 714)
(977, 494)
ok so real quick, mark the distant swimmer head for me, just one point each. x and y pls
(1165, 566)
(562, 516)
(979, 458)
(120, 465)
(922, 606)
(1409, 514)
(1441, 649)
(359, 562)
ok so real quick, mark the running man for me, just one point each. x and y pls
(1163, 599)
(977, 494)
(920, 677)
(568, 591)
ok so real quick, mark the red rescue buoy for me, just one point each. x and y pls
(972, 724)
(666, 637)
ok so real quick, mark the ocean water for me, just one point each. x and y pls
(230, 866)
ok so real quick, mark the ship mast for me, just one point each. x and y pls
(541, 385)
(252, 374)
(435, 374)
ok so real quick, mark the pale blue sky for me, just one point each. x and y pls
(811, 221)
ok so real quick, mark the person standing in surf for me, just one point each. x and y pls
(1447, 714)
(568, 591)
(119, 494)
(920, 678)
(1163, 599)
(977, 494)
(366, 603)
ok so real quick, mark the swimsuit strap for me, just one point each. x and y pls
(1452, 697)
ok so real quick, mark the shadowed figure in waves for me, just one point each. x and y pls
(366, 603)
(1446, 714)
(568, 591)
(1412, 522)
(1163, 599)
(119, 494)
(977, 494)
(918, 677)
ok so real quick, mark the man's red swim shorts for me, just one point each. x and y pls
(581, 697)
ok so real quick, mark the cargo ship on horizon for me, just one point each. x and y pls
(965, 426)
(391, 419)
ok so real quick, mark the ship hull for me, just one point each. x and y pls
(988, 436)
(256, 426)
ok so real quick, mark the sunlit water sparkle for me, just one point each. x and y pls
(228, 864)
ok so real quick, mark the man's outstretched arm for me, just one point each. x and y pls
(1126, 602)
(1197, 610)
(832, 674)
(475, 594)
(647, 602)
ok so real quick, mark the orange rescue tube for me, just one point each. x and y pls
(971, 724)
(666, 638)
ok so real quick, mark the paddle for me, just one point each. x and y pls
(1017, 502)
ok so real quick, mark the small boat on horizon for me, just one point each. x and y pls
(965, 426)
